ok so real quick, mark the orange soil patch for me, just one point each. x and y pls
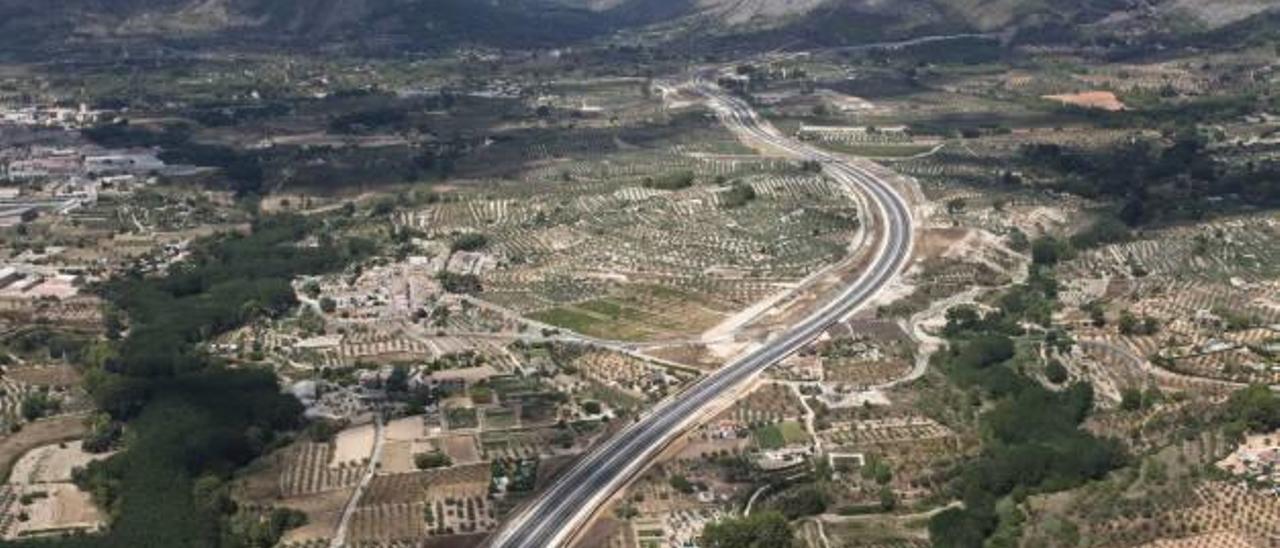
(1104, 100)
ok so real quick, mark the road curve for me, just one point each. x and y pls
(553, 517)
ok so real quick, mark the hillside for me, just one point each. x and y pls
(410, 24)
(394, 25)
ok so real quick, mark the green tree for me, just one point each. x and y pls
(681, 484)
(398, 380)
(760, 530)
(1131, 399)
(311, 289)
(38, 404)
(433, 459)
(1256, 408)
(1055, 372)
(960, 528)
(738, 195)
(1047, 250)
(888, 499)
(808, 500)
(471, 241)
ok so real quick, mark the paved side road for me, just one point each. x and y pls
(554, 517)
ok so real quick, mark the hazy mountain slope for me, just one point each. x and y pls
(31, 26)
(1219, 13)
(977, 14)
(412, 23)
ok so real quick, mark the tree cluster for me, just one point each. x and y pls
(759, 530)
(1155, 181)
(190, 419)
(1031, 436)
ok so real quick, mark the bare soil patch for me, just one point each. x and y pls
(52, 463)
(353, 445)
(936, 241)
(323, 511)
(1104, 100)
(461, 449)
(36, 434)
(63, 507)
(405, 429)
(397, 458)
(45, 375)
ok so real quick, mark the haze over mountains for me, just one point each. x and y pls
(444, 23)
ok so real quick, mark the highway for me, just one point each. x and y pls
(554, 516)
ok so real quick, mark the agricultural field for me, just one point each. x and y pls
(767, 404)
(1200, 308)
(1160, 503)
(865, 357)
(402, 500)
(643, 241)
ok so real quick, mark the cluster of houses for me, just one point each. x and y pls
(46, 166)
(31, 282)
(77, 117)
(1257, 460)
(39, 179)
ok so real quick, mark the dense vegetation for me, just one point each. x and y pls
(1156, 181)
(737, 195)
(1253, 409)
(1031, 436)
(470, 241)
(192, 420)
(243, 170)
(671, 181)
(760, 530)
(250, 172)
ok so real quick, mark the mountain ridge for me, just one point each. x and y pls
(424, 24)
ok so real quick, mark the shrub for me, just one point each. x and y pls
(39, 404)
(738, 195)
(1047, 250)
(805, 501)
(674, 181)
(467, 284)
(681, 484)
(471, 241)
(434, 459)
(1055, 372)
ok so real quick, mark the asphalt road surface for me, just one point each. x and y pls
(554, 516)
